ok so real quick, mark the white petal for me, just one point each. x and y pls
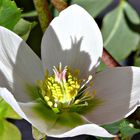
(119, 89)
(19, 65)
(47, 124)
(87, 129)
(9, 98)
(54, 129)
(74, 39)
(26, 110)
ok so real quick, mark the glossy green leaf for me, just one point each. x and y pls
(9, 13)
(23, 28)
(119, 38)
(127, 130)
(112, 128)
(94, 7)
(8, 131)
(123, 128)
(132, 14)
(6, 111)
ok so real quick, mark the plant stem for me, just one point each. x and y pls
(44, 14)
(59, 4)
(109, 60)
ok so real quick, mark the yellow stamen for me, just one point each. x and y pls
(50, 103)
(66, 90)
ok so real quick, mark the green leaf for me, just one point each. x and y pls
(137, 56)
(101, 67)
(127, 130)
(113, 128)
(119, 38)
(137, 61)
(94, 7)
(123, 127)
(23, 28)
(30, 14)
(9, 13)
(37, 135)
(131, 13)
(6, 111)
(8, 131)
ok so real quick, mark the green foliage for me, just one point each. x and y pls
(101, 67)
(5, 127)
(9, 13)
(127, 130)
(23, 28)
(120, 39)
(6, 111)
(8, 131)
(10, 17)
(94, 7)
(30, 14)
(137, 56)
(37, 135)
(114, 127)
(124, 128)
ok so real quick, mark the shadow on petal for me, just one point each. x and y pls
(119, 89)
(74, 56)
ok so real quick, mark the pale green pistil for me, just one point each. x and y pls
(63, 89)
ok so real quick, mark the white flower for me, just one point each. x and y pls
(73, 39)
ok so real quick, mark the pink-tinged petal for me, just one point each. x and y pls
(19, 65)
(74, 39)
(119, 90)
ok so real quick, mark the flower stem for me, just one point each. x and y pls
(59, 4)
(109, 60)
(44, 14)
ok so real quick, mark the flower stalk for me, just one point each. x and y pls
(44, 14)
(108, 59)
(59, 4)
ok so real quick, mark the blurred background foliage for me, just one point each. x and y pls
(119, 22)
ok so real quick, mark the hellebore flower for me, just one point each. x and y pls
(61, 95)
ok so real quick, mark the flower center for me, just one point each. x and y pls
(63, 90)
